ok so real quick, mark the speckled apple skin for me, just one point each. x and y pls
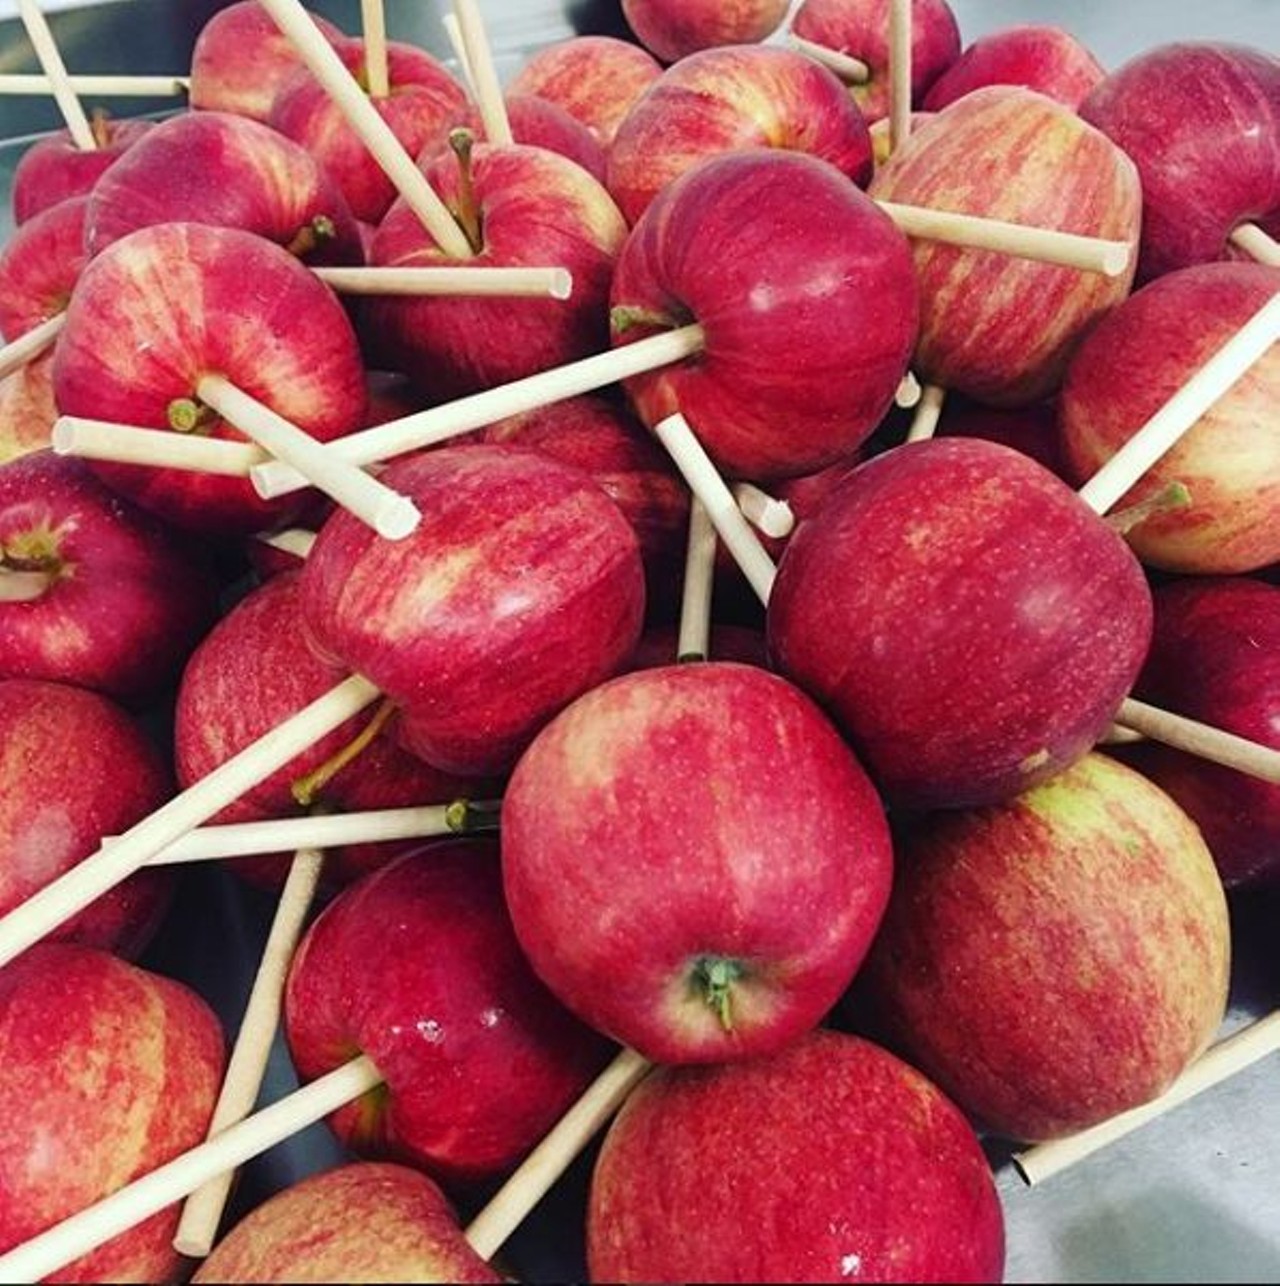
(678, 29)
(39, 266)
(55, 168)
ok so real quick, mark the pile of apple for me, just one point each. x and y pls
(858, 879)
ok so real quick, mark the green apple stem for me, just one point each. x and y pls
(713, 977)
(462, 141)
(311, 236)
(1174, 496)
(306, 789)
(473, 816)
(190, 415)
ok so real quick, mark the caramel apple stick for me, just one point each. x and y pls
(1224, 1060)
(56, 902)
(516, 283)
(694, 638)
(31, 344)
(909, 392)
(479, 58)
(1067, 249)
(1184, 409)
(899, 73)
(51, 61)
(373, 25)
(293, 540)
(552, 1157)
(247, 1064)
(1200, 739)
(386, 149)
(21, 587)
(764, 512)
(928, 413)
(390, 514)
(1120, 736)
(160, 448)
(852, 71)
(453, 31)
(51, 1250)
(100, 86)
(1257, 244)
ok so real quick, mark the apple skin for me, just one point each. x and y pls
(1229, 460)
(27, 409)
(860, 28)
(241, 58)
(1047, 59)
(164, 305)
(117, 1071)
(521, 589)
(537, 209)
(366, 1221)
(417, 967)
(970, 623)
(725, 100)
(674, 29)
(1201, 120)
(771, 858)
(596, 79)
(538, 122)
(998, 328)
(858, 1169)
(74, 767)
(39, 267)
(424, 103)
(1213, 658)
(225, 171)
(807, 295)
(56, 168)
(129, 598)
(1058, 959)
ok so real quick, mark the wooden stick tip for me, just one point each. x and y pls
(397, 519)
(561, 283)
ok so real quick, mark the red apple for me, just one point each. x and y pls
(116, 1070)
(1213, 658)
(694, 861)
(226, 171)
(416, 967)
(725, 100)
(807, 296)
(39, 267)
(27, 409)
(970, 622)
(166, 305)
(860, 28)
(522, 588)
(538, 122)
(126, 599)
(831, 1161)
(368, 1221)
(1047, 59)
(75, 768)
(1202, 122)
(999, 328)
(596, 79)
(1229, 461)
(672, 29)
(241, 58)
(56, 167)
(424, 103)
(532, 208)
(1058, 959)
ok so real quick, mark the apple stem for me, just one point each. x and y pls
(462, 141)
(1174, 496)
(714, 976)
(311, 236)
(306, 789)
(100, 126)
(189, 415)
(473, 816)
(624, 317)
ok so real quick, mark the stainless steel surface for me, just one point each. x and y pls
(1194, 1197)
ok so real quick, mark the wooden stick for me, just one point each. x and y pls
(694, 638)
(427, 428)
(479, 57)
(1184, 409)
(100, 86)
(245, 839)
(553, 1156)
(324, 63)
(516, 283)
(453, 31)
(851, 70)
(247, 1065)
(160, 448)
(103, 870)
(928, 413)
(709, 487)
(51, 60)
(1118, 735)
(1067, 249)
(772, 517)
(899, 73)
(909, 392)
(390, 514)
(1258, 244)
(22, 587)
(29, 345)
(373, 24)
(1225, 748)
(51, 1250)
(1224, 1060)
(294, 540)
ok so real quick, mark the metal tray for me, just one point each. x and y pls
(1192, 1197)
